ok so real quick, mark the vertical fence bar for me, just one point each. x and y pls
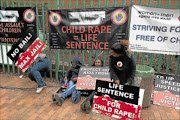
(50, 52)
(70, 51)
(43, 20)
(169, 56)
(83, 51)
(19, 4)
(7, 59)
(142, 61)
(13, 67)
(123, 2)
(160, 57)
(151, 60)
(2, 55)
(8, 67)
(76, 51)
(168, 64)
(90, 51)
(57, 51)
(1, 3)
(37, 18)
(24, 3)
(177, 65)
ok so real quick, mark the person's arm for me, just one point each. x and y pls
(131, 71)
(112, 73)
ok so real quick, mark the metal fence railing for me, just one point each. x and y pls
(61, 59)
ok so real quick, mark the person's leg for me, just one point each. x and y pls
(70, 88)
(87, 104)
(44, 64)
(60, 98)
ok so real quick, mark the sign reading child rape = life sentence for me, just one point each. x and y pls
(155, 30)
(167, 90)
(118, 101)
(88, 28)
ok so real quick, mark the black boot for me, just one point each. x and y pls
(83, 106)
(88, 107)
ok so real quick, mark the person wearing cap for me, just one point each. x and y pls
(122, 66)
(71, 79)
(41, 64)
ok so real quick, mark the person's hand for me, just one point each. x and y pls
(126, 84)
(65, 79)
(74, 79)
(117, 82)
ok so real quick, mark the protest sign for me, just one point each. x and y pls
(22, 45)
(167, 90)
(14, 21)
(89, 28)
(155, 30)
(29, 56)
(87, 77)
(118, 101)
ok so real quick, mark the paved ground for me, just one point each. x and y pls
(18, 101)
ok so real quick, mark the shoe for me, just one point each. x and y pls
(53, 98)
(88, 107)
(83, 106)
(39, 89)
(58, 99)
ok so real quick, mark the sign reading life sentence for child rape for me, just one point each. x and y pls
(14, 21)
(155, 30)
(118, 101)
(167, 90)
(87, 77)
(89, 28)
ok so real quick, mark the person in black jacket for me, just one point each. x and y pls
(122, 66)
(70, 79)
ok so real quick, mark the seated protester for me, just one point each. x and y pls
(122, 66)
(71, 78)
(41, 64)
(87, 104)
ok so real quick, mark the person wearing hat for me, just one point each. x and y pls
(122, 66)
(71, 79)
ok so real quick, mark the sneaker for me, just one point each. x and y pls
(88, 107)
(58, 99)
(39, 89)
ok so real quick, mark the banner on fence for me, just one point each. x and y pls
(87, 77)
(90, 28)
(167, 90)
(155, 30)
(14, 21)
(118, 101)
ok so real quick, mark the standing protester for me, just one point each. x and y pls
(87, 104)
(122, 66)
(71, 79)
(40, 64)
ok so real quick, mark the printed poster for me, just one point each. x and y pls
(87, 77)
(155, 30)
(167, 90)
(15, 21)
(88, 28)
(118, 101)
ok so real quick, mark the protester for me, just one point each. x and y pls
(71, 79)
(87, 104)
(41, 64)
(122, 66)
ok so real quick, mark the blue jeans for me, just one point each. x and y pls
(70, 88)
(34, 74)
